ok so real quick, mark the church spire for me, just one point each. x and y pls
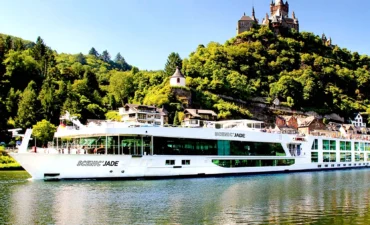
(253, 12)
(293, 15)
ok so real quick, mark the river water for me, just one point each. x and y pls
(332, 197)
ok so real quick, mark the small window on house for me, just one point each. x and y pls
(178, 80)
(185, 162)
(170, 162)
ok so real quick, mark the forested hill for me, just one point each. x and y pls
(38, 83)
(298, 68)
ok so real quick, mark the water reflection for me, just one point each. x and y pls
(338, 197)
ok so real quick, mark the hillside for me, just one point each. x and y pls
(299, 69)
(38, 83)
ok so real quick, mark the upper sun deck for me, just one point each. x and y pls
(100, 126)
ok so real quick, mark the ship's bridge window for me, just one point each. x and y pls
(315, 145)
(345, 146)
(368, 157)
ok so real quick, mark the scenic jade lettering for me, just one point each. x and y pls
(97, 163)
(229, 134)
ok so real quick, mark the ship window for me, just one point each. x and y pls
(359, 157)
(368, 157)
(332, 145)
(359, 146)
(253, 163)
(367, 146)
(315, 145)
(325, 144)
(329, 157)
(170, 162)
(345, 146)
(314, 157)
(345, 157)
(185, 162)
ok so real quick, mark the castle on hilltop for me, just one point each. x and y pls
(277, 20)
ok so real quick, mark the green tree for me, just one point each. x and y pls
(105, 56)
(176, 119)
(113, 115)
(81, 59)
(27, 107)
(173, 61)
(44, 131)
(93, 52)
(121, 62)
(120, 86)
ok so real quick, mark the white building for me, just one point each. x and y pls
(143, 114)
(177, 79)
(358, 122)
(196, 117)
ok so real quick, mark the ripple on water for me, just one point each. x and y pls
(337, 197)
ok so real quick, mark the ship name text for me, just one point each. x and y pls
(97, 163)
(229, 134)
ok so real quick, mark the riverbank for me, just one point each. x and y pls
(8, 163)
(10, 166)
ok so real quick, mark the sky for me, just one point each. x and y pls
(145, 32)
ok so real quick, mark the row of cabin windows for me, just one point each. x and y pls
(253, 163)
(344, 157)
(181, 146)
(343, 145)
(172, 162)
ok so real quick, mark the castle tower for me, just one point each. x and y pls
(246, 23)
(177, 79)
(279, 7)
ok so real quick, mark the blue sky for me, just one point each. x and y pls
(145, 32)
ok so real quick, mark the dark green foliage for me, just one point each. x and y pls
(93, 52)
(173, 61)
(105, 56)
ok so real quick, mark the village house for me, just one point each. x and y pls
(196, 117)
(309, 124)
(286, 124)
(144, 114)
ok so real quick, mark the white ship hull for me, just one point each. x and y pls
(116, 151)
(55, 166)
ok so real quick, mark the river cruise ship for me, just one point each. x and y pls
(121, 150)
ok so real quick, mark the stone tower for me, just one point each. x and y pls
(279, 8)
(177, 79)
(246, 23)
(179, 89)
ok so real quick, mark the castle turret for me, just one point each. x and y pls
(177, 79)
(246, 23)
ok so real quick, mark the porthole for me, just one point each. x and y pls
(111, 171)
(122, 171)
